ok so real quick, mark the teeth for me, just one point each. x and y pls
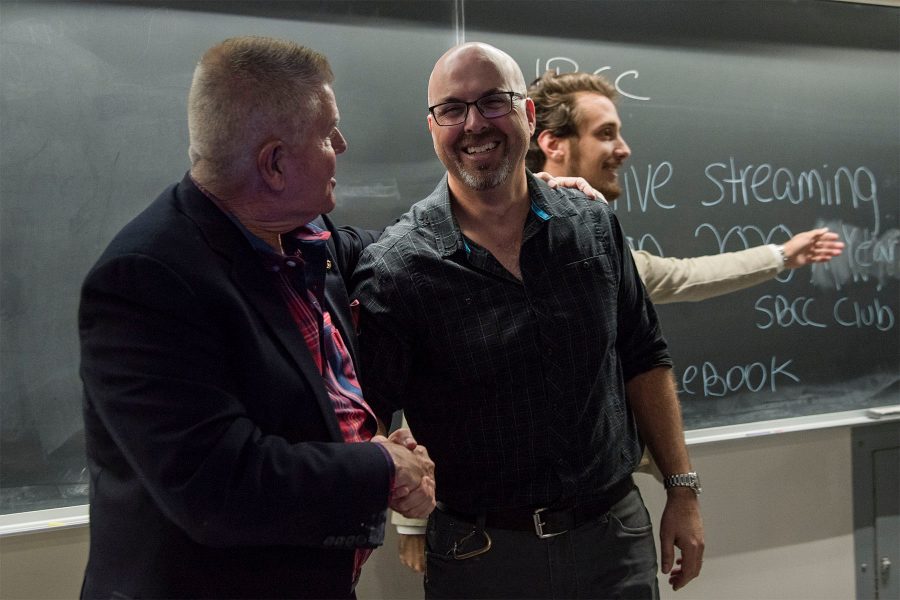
(477, 149)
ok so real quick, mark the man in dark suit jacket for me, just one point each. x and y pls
(218, 360)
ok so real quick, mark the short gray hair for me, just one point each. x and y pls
(247, 88)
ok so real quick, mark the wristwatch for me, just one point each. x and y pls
(689, 480)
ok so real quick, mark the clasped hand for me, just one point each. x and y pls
(413, 492)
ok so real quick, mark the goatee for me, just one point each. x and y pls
(484, 179)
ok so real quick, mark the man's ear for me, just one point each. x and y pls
(556, 149)
(270, 164)
(530, 115)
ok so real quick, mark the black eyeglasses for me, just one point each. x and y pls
(490, 106)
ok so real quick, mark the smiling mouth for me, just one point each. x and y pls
(479, 149)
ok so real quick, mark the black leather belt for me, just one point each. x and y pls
(548, 522)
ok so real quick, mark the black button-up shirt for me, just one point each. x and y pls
(516, 387)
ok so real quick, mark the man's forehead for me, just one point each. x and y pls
(473, 70)
(593, 106)
(327, 102)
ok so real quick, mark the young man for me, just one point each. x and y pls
(578, 133)
(484, 312)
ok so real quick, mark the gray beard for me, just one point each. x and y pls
(484, 180)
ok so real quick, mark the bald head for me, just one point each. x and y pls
(457, 61)
(480, 152)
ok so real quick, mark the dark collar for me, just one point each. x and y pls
(546, 203)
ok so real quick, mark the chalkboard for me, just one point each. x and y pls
(93, 127)
(750, 121)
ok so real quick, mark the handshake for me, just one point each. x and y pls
(413, 492)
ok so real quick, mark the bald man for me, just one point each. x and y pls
(508, 321)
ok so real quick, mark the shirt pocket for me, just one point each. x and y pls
(587, 295)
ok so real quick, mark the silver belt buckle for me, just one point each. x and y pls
(539, 525)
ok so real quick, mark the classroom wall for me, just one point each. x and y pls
(778, 513)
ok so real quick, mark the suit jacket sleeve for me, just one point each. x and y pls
(349, 245)
(694, 279)
(192, 409)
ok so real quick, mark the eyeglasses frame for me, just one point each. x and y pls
(513, 96)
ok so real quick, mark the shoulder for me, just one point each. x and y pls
(568, 201)
(411, 236)
(173, 232)
(153, 230)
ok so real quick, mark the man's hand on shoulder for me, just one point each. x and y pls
(579, 183)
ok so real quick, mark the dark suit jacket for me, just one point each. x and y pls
(217, 463)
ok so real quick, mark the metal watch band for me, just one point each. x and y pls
(689, 480)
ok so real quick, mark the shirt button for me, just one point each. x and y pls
(586, 265)
(291, 263)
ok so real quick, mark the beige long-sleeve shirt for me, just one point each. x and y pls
(694, 279)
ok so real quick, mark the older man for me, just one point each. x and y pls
(230, 449)
(508, 321)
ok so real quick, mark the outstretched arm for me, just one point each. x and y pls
(702, 277)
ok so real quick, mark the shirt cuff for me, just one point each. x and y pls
(390, 461)
(778, 253)
(410, 530)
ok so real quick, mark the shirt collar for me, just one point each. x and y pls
(293, 241)
(546, 204)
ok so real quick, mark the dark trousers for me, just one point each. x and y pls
(613, 556)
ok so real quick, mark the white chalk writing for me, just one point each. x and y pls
(709, 380)
(563, 64)
(765, 184)
(781, 311)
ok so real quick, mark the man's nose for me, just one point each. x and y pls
(475, 121)
(622, 151)
(339, 142)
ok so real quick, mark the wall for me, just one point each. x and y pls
(777, 509)
(43, 565)
(778, 513)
